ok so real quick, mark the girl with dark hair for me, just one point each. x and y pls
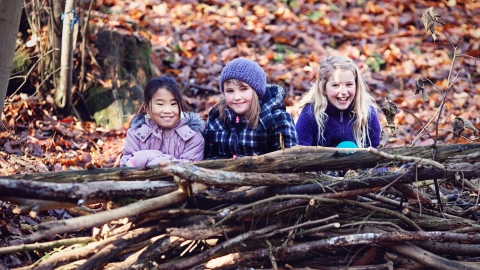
(163, 130)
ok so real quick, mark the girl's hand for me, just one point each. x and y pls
(130, 163)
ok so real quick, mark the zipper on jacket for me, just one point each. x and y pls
(341, 117)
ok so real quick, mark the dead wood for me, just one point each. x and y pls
(34, 206)
(429, 259)
(206, 254)
(45, 246)
(103, 256)
(84, 193)
(210, 177)
(73, 224)
(363, 181)
(313, 213)
(68, 256)
(201, 234)
(296, 159)
(414, 194)
(143, 258)
(393, 239)
(449, 248)
(406, 262)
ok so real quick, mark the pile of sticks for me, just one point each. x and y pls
(398, 208)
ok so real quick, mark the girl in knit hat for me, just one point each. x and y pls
(251, 119)
(338, 110)
(163, 130)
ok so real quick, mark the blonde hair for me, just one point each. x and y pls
(361, 104)
(252, 115)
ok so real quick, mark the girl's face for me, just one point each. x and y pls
(238, 97)
(340, 88)
(164, 108)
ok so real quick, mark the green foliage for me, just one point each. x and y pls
(414, 49)
(125, 201)
(21, 60)
(375, 62)
(281, 51)
(315, 15)
(290, 3)
(278, 57)
(170, 59)
(178, 48)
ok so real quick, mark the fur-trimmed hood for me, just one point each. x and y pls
(192, 119)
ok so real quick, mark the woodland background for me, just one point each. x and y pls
(193, 40)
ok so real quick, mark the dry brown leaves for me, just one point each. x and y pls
(192, 40)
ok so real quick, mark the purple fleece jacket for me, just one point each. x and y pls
(338, 128)
(150, 144)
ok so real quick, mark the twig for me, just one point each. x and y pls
(427, 258)
(68, 256)
(276, 198)
(301, 225)
(206, 254)
(200, 234)
(424, 128)
(97, 219)
(327, 227)
(373, 223)
(44, 80)
(470, 210)
(136, 236)
(29, 72)
(405, 158)
(46, 246)
(271, 254)
(388, 212)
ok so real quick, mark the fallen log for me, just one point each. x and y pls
(84, 193)
(296, 159)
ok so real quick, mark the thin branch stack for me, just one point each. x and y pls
(284, 210)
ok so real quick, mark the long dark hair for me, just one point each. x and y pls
(151, 88)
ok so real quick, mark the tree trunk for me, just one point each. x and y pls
(10, 12)
(55, 33)
(64, 89)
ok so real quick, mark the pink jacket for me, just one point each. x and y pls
(149, 144)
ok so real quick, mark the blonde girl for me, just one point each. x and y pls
(338, 110)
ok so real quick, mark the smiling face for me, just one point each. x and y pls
(340, 88)
(238, 96)
(164, 108)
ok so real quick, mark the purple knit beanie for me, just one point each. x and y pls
(247, 71)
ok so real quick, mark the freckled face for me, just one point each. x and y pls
(341, 88)
(238, 97)
(164, 108)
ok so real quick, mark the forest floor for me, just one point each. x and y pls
(193, 40)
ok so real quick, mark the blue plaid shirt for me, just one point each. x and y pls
(225, 139)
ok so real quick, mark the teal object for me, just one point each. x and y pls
(347, 144)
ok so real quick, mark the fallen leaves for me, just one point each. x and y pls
(45, 143)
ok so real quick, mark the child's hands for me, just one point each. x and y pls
(130, 163)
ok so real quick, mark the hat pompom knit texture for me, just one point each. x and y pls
(247, 71)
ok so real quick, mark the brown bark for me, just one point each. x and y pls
(84, 193)
(101, 258)
(65, 257)
(206, 254)
(97, 219)
(297, 159)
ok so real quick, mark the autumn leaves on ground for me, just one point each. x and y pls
(192, 41)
